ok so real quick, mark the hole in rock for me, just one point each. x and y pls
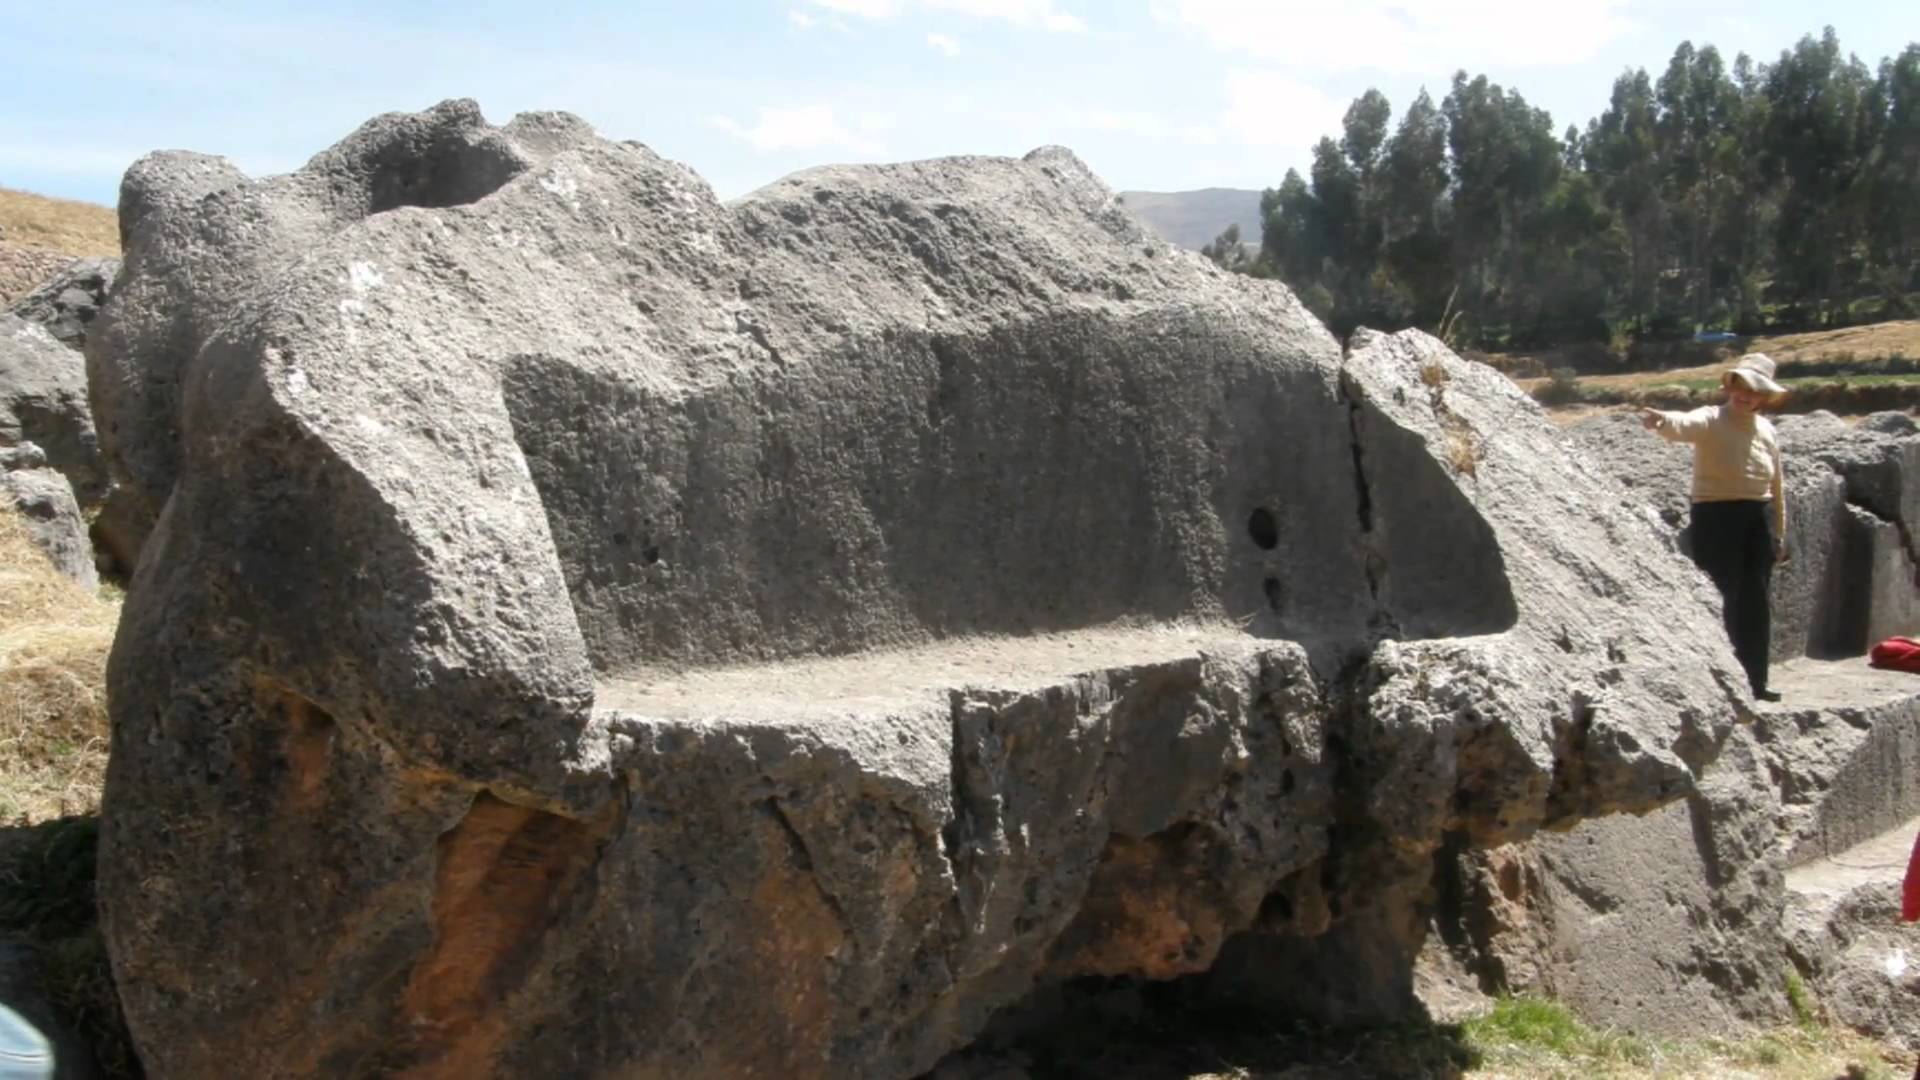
(1263, 528)
(1276, 908)
(1271, 587)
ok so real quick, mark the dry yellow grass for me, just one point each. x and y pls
(1897, 338)
(39, 235)
(71, 228)
(54, 638)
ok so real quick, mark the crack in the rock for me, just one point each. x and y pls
(959, 839)
(804, 859)
(1907, 541)
(1372, 563)
(1569, 761)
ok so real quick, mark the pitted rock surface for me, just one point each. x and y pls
(43, 400)
(590, 628)
(45, 502)
(1780, 861)
(1699, 909)
(67, 302)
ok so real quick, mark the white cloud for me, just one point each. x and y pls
(800, 19)
(866, 9)
(1271, 108)
(1415, 36)
(808, 127)
(1039, 13)
(944, 43)
(1143, 124)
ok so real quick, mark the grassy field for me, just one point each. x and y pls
(1710, 382)
(72, 228)
(1893, 338)
(39, 235)
(1859, 344)
(1530, 1039)
(1850, 372)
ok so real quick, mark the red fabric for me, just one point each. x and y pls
(1897, 654)
(1910, 888)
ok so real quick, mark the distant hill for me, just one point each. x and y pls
(39, 235)
(1192, 219)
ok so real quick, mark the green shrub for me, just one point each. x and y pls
(1561, 388)
(1800, 1000)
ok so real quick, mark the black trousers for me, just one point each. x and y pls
(1733, 543)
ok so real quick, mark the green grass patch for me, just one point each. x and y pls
(1800, 1000)
(1524, 1027)
(1529, 1038)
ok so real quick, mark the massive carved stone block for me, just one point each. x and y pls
(591, 629)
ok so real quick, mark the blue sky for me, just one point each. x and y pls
(1156, 94)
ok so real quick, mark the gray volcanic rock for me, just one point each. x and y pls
(1656, 472)
(1446, 728)
(43, 400)
(1879, 460)
(1695, 913)
(592, 629)
(67, 302)
(45, 500)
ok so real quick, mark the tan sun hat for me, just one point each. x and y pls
(1755, 371)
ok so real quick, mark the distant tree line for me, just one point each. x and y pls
(1747, 198)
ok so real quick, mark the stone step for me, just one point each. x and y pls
(888, 680)
(1843, 931)
(1845, 748)
(1876, 861)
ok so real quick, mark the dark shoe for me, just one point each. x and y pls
(1766, 695)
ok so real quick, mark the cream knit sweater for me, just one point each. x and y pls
(1734, 457)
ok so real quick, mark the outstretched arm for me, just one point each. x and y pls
(1686, 427)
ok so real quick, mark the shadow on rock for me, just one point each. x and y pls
(1124, 1029)
(53, 963)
